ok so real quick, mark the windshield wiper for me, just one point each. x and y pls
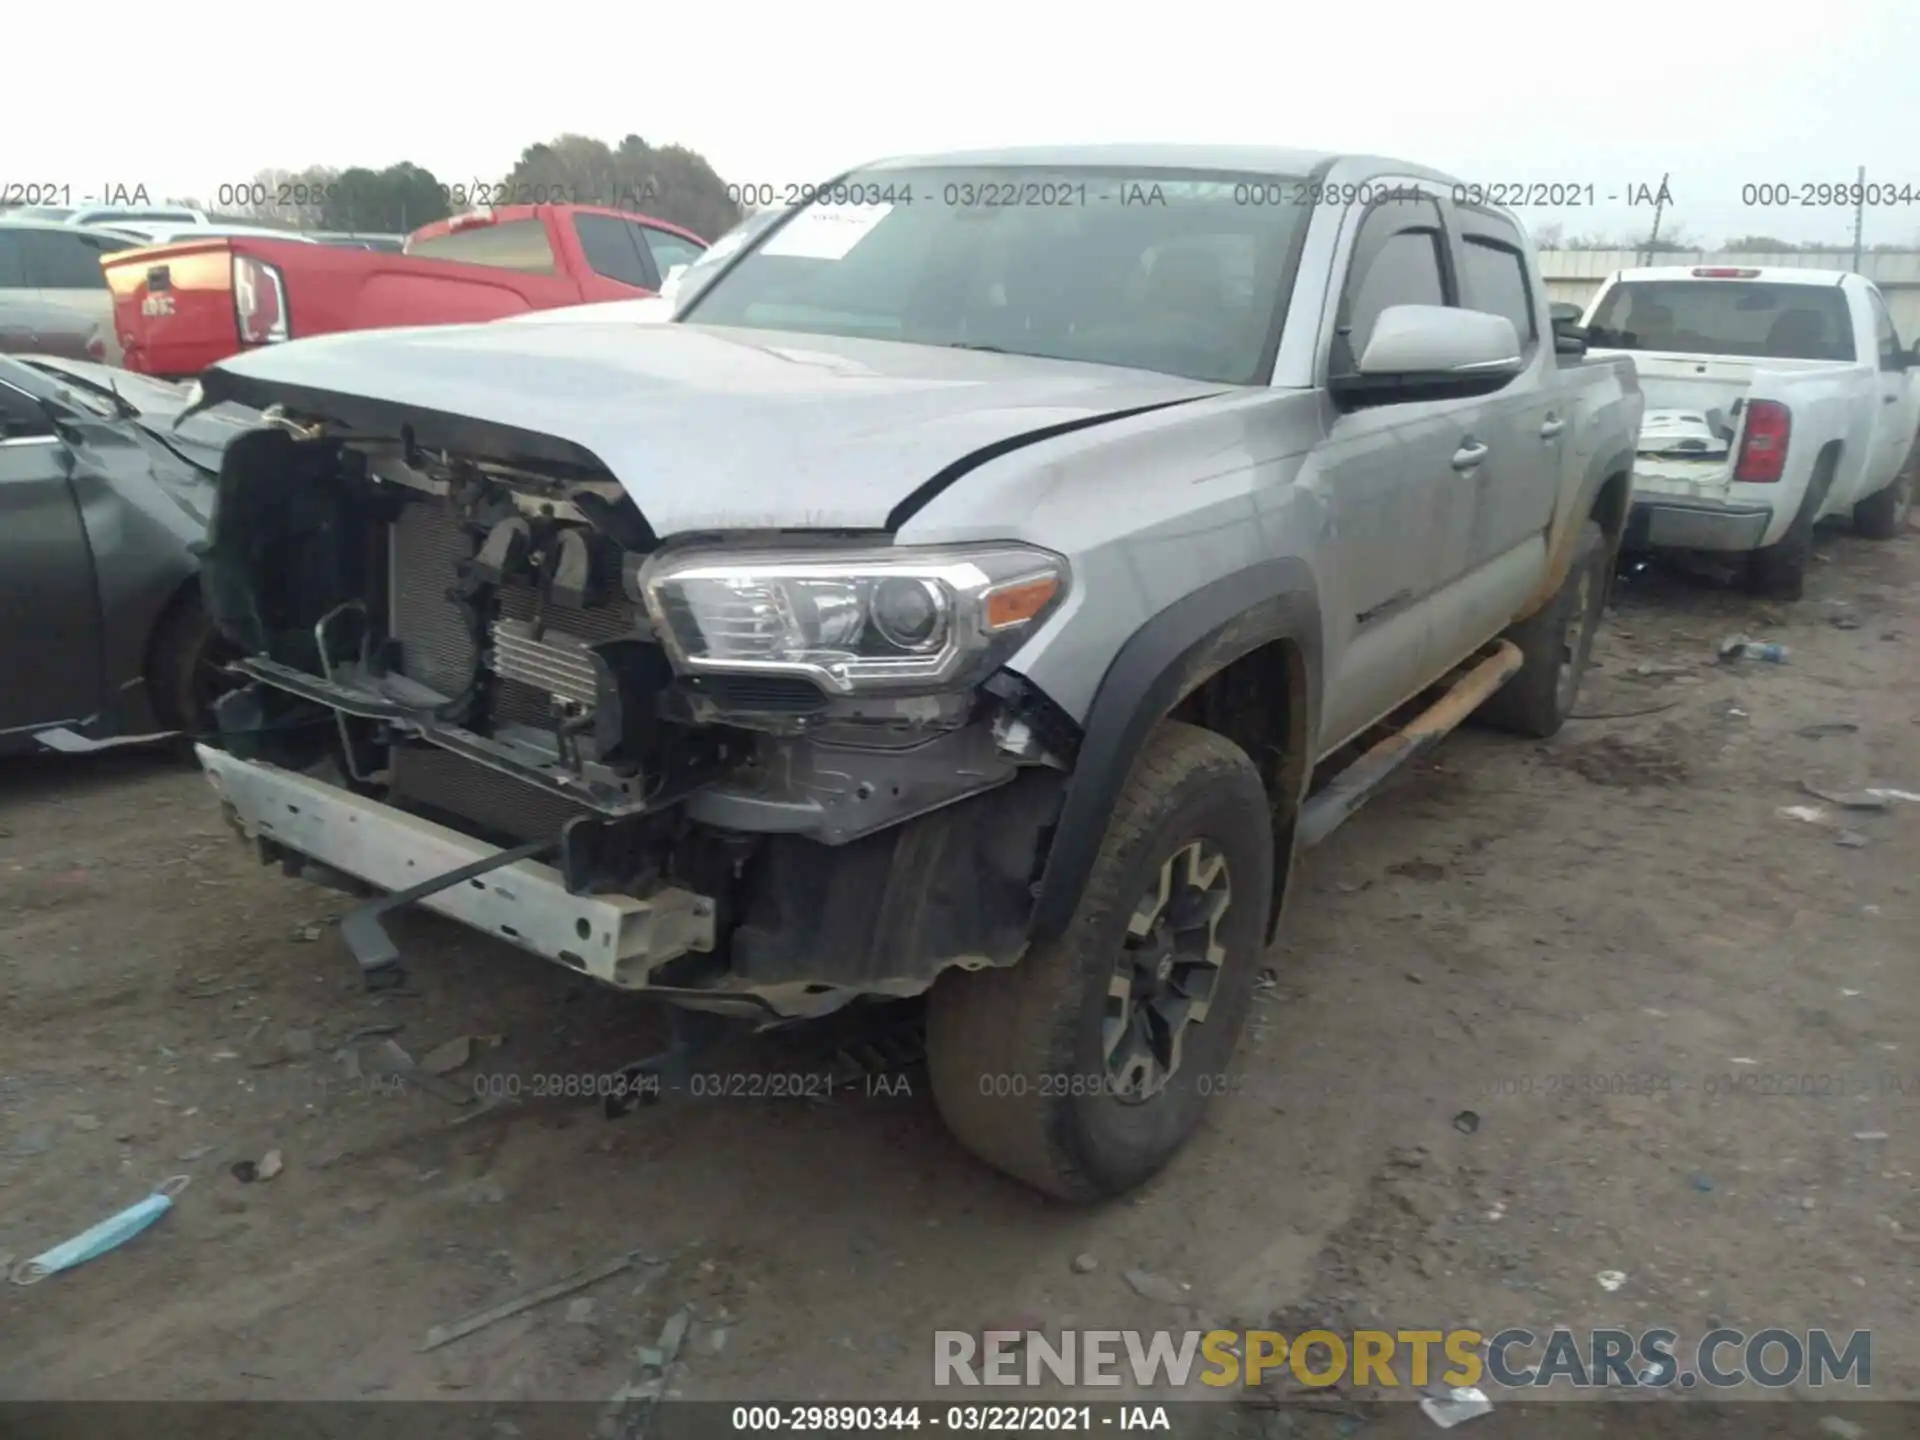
(974, 345)
(123, 407)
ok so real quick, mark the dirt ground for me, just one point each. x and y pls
(1426, 1125)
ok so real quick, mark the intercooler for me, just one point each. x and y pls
(426, 547)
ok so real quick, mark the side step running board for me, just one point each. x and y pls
(1354, 786)
(72, 742)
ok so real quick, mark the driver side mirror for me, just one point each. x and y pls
(1569, 335)
(1431, 352)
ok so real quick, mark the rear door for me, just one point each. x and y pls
(1526, 424)
(65, 267)
(49, 606)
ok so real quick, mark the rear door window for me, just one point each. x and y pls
(1494, 273)
(612, 248)
(512, 245)
(1749, 319)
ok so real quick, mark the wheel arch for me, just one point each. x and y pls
(1605, 493)
(186, 594)
(1222, 657)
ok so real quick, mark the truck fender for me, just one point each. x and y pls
(1161, 663)
(1571, 519)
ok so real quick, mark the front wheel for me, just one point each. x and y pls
(186, 666)
(1083, 1068)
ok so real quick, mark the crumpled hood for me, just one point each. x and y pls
(711, 427)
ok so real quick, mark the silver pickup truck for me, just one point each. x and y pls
(983, 587)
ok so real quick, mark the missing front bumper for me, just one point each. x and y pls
(614, 938)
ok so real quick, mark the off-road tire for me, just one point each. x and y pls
(184, 644)
(1883, 515)
(1013, 1052)
(1536, 701)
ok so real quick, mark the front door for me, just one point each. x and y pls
(1899, 406)
(1398, 481)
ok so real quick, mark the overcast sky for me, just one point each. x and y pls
(1498, 91)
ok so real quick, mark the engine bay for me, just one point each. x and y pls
(468, 639)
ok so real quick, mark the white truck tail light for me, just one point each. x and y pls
(259, 301)
(1763, 450)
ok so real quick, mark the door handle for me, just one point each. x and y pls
(1551, 430)
(1469, 455)
(1888, 399)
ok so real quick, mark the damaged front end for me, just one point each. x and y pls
(761, 774)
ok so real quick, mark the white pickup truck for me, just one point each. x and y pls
(1776, 398)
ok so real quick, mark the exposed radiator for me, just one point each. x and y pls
(533, 671)
(425, 549)
(444, 781)
(436, 648)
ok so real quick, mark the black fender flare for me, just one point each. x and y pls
(1159, 665)
(1567, 524)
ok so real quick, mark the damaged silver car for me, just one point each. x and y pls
(106, 481)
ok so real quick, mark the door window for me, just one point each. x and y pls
(612, 249)
(57, 261)
(1494, 275)
(1886, 338)
(668, 249)
(13, 263)
(510, 245)
(1399, 258)
(21, 417)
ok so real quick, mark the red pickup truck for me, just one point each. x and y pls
(187, 304)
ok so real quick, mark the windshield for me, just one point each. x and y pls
(1749, 319)
(38, 212)
(1177, 271)
(683, 284)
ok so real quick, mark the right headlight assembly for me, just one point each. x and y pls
(853, 621)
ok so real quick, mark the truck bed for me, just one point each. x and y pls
(176, 308)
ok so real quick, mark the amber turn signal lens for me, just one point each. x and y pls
(1018, 603)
